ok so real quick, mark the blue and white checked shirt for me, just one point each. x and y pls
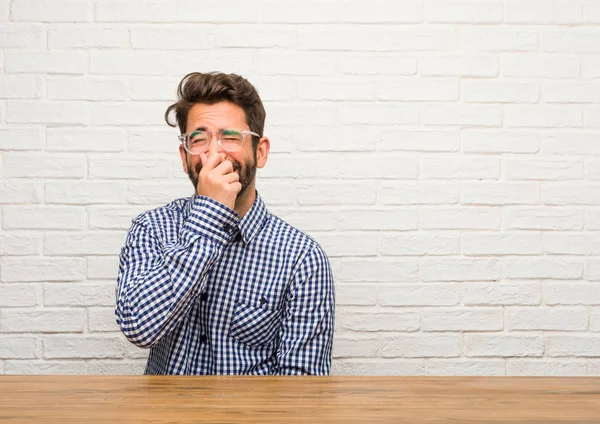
(211, 293)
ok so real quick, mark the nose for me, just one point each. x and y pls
(213, 145)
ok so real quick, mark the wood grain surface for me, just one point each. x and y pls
(168, 399)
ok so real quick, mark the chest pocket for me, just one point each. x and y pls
(254, 326)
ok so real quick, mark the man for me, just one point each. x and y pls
(214, 283)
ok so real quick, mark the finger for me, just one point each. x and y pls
(232, 177)
(236, 187)
(225, 167)
(212, 161)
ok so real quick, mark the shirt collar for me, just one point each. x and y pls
(250, 224)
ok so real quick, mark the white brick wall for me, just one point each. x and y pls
(446, 153)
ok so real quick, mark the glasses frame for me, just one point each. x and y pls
(183, 138)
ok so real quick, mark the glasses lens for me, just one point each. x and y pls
(231, 140)
(197, 142)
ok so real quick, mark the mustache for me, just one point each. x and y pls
(236, 167)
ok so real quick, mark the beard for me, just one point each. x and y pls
(246, 172)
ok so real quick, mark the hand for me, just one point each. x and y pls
(217, 179)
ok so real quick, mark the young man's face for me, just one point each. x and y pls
(212, 119)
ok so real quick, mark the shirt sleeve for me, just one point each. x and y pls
(306, 334)
(157, 281)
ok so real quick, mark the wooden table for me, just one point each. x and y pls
(166, 399)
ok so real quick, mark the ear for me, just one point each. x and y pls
(262, 152)
(183, 155)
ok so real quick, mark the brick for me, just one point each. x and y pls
(419, 193)
(42, 321)
(239, 61)
(344, 38)
(591, 117)
(21, 139)
(158, 193)
(546, 319)
(84, 140)
(117, 218)
(49, 112)
(499, 91)
(592, 270)
(440, 167)
(17, 346)
(572, 243)
(129, 168)
(429, 346)
(591, 12)
(377, 219)
(336, 139)
(379, 367)
(20, 87)
(84, 36)
(339, 89)
(44, 165)
(464, 319)
(308, 220)
(590, 66)
(378, 270)
(275, 88)
(383, 11)
(499, 141)
(19, 36)
(500, 193)
(82, 243)
(543, 11)
(542, 170)
(464, 11)
(460, 367)
(377, 64)
(359, 193)
(344, 244)
(419, 243)
(131, 62)
(570, 40)
(179, 37)
(75, 88)
(370, 321)
(388, 166)
(295, 63)
(535, 268)
(459, 269)
(594, 320)
(539, 65)
(463, 114)
(19, 244)
(419, 38)
(428, 140)
(543, 218)
(575, 345)
(355, 294)
(4, 10)
(102, 319)
(17, 191)
(38, 367)
(498, 39)
(134, 113)
(82, 347)
(490, 345)
(42, 269)
(103, 267)
(542, 116)
(300, 12)
(85, 192)
(460, 66)
(149, 88)
(180, 11)
(277, 193)
(19, 295)
(79, 294)
(286, 114)
(256, 36)
(116, 367)
(592, 169)
(51, 11)
(571, 194)
(151, 141)
(46, 62)
(424, 89)
(570, 143)
(592, 220)
(419, 295)
(570, 92)
(355, 347)
(460, 218)
(544, 368)
(571, 294)
(499, 244)
(501, 294)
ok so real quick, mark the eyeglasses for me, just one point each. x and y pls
(230, 140)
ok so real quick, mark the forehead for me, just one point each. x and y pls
(216, 116)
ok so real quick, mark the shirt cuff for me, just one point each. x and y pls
(211, 219)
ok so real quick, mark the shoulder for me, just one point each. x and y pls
(163, 217)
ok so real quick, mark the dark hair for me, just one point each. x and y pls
(215, 87)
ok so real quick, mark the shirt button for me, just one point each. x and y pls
(203, 338)
(227, 228)
(204, 297)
